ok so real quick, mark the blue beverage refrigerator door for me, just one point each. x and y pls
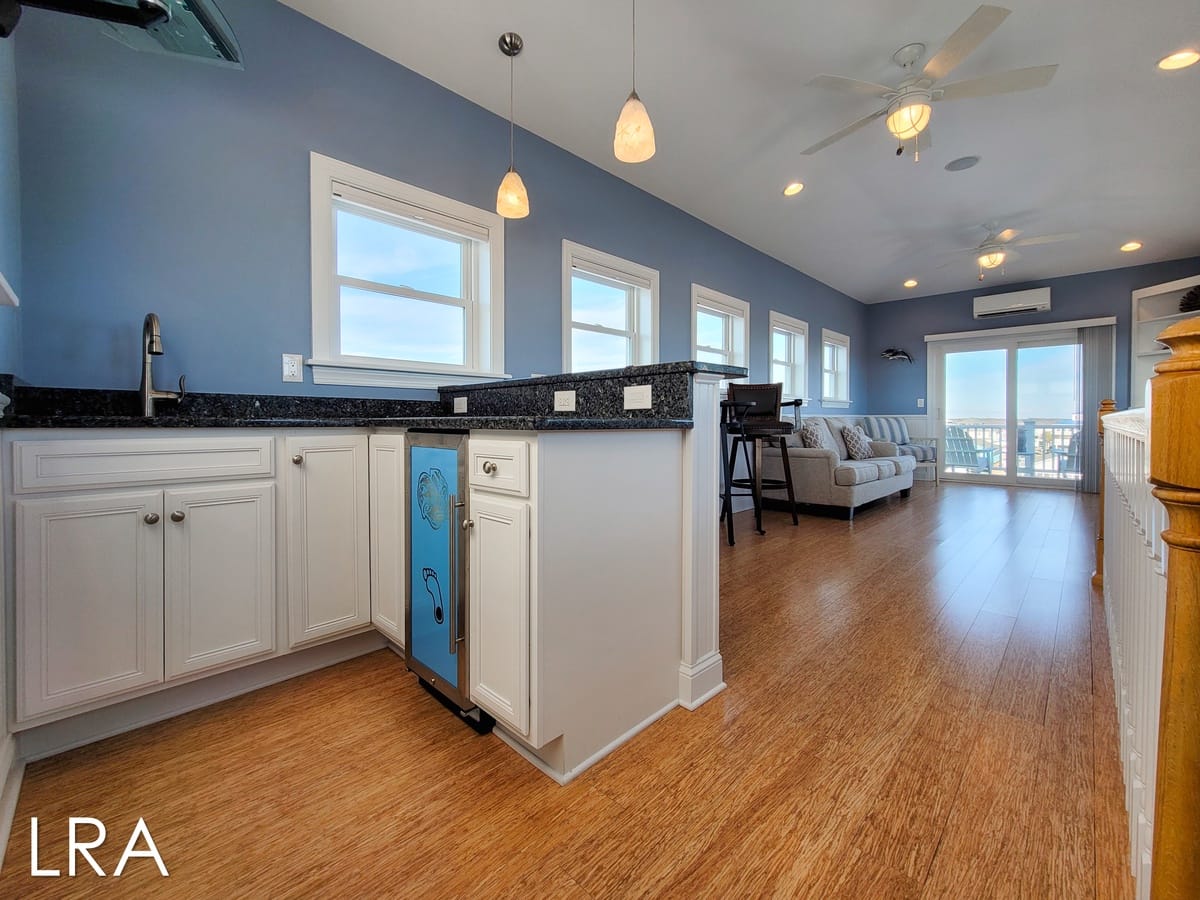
(435, 602)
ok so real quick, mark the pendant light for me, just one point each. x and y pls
(512, 201)
(633, 141)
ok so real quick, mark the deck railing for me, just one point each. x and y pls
(1151, 579)
(1043, 451)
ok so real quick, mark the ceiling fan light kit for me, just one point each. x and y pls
(512, 200)
(909, 115)
(633, 140)
(991, 259)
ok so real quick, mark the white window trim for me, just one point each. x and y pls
(596, 262)
(842, 340)
(484, 357)
(738, 312)
(798, 328)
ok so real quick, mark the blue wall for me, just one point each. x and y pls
(895, 386)
(10, 210)
(154, 183)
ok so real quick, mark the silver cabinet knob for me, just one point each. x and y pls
(178, 516)
(150, 518)
(298, 459)
(468, 524)
(489, 467)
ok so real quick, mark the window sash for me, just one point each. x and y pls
(640, 285)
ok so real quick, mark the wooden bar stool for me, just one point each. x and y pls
(751, 416)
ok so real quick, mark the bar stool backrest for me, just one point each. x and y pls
(767, 400)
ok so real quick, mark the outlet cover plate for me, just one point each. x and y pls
(637, 396)
(564, 401)
(460, 404)
(293, 367)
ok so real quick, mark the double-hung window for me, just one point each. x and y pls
(720, 328)
(407, 284)
(610, 311)
(789, 355)
(835, 368)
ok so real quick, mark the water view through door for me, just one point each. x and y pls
(1012, 411)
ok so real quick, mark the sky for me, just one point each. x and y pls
(1046, 383)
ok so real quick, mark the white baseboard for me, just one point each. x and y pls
(12, 768)
(573, 773)
(66, 734)
(701, 682)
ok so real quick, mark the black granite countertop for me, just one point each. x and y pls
(565, 422)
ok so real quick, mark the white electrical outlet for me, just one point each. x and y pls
(564, 401)
(920, 403)
(637, 396)
(460, 404)
(293, 367)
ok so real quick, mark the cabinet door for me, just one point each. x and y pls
(220, 575)
(499, 623)
(329, 581)
(89, 588)
(387, 534)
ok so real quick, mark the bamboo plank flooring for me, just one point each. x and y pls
(920, 704)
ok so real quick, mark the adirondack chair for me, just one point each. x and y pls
(961, 452)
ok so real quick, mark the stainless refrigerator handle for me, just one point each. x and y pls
(451, 519)
(456, 598)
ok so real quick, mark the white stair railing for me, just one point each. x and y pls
(1135, 597)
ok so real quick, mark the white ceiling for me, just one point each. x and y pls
(1110, 150)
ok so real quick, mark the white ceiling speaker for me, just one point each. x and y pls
(908, 105)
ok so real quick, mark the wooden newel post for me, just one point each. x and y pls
(1175, 472)
(1106, 406)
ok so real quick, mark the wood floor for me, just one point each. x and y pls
(920, 704)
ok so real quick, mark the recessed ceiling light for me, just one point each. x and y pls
(963, 162)
(911, 283)
(1180, 60)
(793, 189)
(1130, 246)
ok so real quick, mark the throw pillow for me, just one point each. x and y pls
(857, 442)
(813, 436)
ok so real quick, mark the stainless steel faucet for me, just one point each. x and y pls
(152, 346)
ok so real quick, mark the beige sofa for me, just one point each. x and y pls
(829, 478)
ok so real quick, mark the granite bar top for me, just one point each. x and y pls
(686, 367)
(423, 423)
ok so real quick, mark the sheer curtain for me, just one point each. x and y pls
(1097, 382)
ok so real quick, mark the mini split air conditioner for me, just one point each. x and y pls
(1013, 304)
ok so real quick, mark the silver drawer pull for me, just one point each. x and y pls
(150, 518)
(178, 516)
(298, 459)
(489, 467)
(468, 524)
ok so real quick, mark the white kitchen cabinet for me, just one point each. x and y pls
(499, 608)
(328, 522)
(219, 575)
(388, 546)
(89, 582)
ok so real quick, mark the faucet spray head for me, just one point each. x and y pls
(152, 336)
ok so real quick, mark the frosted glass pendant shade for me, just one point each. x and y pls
(634, 139)
(991, 259)
(512, 200)
(909, 121)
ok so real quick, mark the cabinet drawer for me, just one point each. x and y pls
(501, 466)
(55, 465)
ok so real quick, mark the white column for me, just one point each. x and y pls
(701, 674)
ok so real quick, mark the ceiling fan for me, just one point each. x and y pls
(998, 247)
(907, 106)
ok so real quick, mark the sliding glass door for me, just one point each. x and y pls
(1009, 410)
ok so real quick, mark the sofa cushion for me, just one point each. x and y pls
(858, 445)
(835, 426)
(887, 466)
(856, 471)
(887, 428)
(903, 463)
(919, 452)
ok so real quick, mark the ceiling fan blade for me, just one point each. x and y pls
(959, 45)
(851, 86)
(849, 129)
(1007, 235)
(1045, 239)
(1003, 83)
